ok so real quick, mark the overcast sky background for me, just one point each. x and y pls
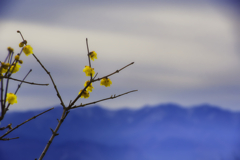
(185, 52)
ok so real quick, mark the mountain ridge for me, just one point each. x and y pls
(149, 133)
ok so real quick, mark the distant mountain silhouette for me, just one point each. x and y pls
(168, 132)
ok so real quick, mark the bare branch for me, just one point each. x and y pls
(117, 71)
(88, 53)
(7, 139)
(24, 81)
(112, 97)
(20, 34)
(54, 133)
(2, 102)
(93, 80)
(9, 131)
(19, 87)
(59, 96)
(66, 110)
(72, 103)
(9, 126)
(2, 128)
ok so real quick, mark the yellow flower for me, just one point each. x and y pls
(28, 50)
(21, 44)
(93, 55)
(105, 82)
(89, 71)
(85, 94)
(11, 98)
(90, 87)
(4, 67)
(15, 68)
(3, 70)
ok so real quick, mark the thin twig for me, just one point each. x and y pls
(21, 52)
(64, 114)
(79, 95)
(9, 131)
(93, 80)
(117, 71)
(95, 76)
(2, 103)
(5, 95)
(6, 90)
(19, 87)
(7, 139)
(59, 96)
(2, 128)
(25, 81)
(7, 57)
(88, 53)
(89, 61)
(112, 97)
(66, 110)
(8, 74)
(54, 133)
(20, 34)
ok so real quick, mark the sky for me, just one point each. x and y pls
(185, 52)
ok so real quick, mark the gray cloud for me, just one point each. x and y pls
(184, 53)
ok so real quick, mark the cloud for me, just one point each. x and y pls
(182, 53)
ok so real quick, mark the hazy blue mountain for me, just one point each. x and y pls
(167, 132)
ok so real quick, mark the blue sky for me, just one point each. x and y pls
(185, 52)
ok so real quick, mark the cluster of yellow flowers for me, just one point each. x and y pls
(90, 72)
(27, 49)
(14, 67)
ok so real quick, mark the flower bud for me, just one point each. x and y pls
(25, 42)
(5, 65)
(10, 49)
(8, 64)
(17, 57)
(9, 126)
(21, 44)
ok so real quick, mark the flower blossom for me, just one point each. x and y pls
(89, 71)
(15, 68)
(105, 82)
(11, 98)
(28, 50)
(90, 87)
(85, 94)
(93, 55)
(4, 67)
